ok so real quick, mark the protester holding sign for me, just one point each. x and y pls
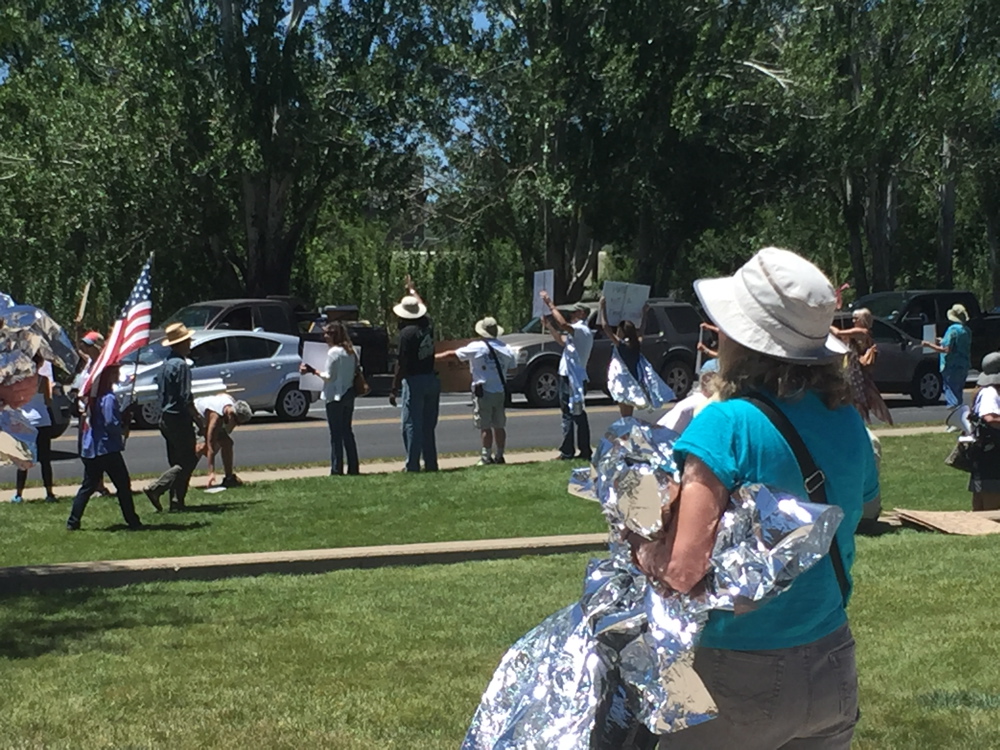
(576, 338)
(489, 359)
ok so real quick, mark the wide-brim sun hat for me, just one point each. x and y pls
(958, 314)
(176, 333)
(410, 308)
(778, 304)
(488, 328)
(990, 371)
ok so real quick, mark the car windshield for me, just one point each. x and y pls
(882, 306)
(193, 316)
(533, 326)
(148, 355)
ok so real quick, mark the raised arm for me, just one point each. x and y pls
(556, 316)
(642, 322)
(602, 318)
(412, 290)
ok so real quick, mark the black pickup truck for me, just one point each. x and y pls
(912, 309)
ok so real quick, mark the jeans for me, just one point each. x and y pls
(954, 384)
(113, 464)
(569, 419)
(421, 400)
(338, 416)
(178, 431)
(802, 698)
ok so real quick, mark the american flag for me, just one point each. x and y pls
(130, 332)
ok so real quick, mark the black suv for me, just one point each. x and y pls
(669, 343)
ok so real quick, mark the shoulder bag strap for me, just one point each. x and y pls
(496, 361)
(815, 479)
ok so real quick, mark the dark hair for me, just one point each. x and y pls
(339, 336)
(628, 335)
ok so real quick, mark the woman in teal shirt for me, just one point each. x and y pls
(783, 676)
(956, 355)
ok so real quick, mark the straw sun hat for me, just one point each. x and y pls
(176, 333)
(410, 308)
(488, 328)
(778, 304)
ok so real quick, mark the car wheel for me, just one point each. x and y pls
(292, 403)
(147, 416)
(543, 386)
(927, 386)
(679, 375)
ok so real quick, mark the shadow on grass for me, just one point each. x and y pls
(871, 527)
(41, 623)
(168, 526)
(65, 455)
(220, 507)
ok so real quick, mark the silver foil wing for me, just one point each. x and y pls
(26, 331)
(622, 386)
(657, 391)
(17, 439)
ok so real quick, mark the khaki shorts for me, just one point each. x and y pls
(488, 412)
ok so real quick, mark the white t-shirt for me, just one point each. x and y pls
(217, 404)
(482, 366)
(338, 373)
(678, 418)
(583, 340)
(987, 402)
(35, 410)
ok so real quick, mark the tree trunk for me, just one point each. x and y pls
(993, 240)
(853, 209)
(880, 221)
(946, 217)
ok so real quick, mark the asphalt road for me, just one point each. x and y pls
(267, 441)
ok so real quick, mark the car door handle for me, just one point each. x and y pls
(276, 365)
(226, 373)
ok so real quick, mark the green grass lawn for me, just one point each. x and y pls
(398, 657)
(475, 503)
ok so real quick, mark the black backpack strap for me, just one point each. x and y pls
(496, 361)
(814, 478)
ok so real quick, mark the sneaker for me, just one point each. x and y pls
(485, 461)
(51, 499)
(231, 480)
(585, 456)
(102, 492)
(499, 460)
(154, 498)
(137, 526)
(17, 499)
(561, 457)
(72, 527)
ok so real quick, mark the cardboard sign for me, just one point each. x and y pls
(452, 372)
(930, 334)
(544, 281)
(624, 301)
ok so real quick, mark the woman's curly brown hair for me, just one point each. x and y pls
(743, 371)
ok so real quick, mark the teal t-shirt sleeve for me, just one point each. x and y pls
(710, 437)
(872, 489)
(949, 335)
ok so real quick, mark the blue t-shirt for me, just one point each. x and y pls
(103, 433)
(958, 339)
(740, 445)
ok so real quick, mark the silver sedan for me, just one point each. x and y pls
(257, 367)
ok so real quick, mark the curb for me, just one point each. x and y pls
(114, 573)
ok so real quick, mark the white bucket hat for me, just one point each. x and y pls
(778, 304)
(410, 308)
(990, 374)
(488, 328)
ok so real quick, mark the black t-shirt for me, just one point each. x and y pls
(416, 348)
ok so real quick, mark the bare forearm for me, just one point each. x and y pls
(703, 498)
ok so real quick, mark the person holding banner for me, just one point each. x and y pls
(632, 381)
(576, 339)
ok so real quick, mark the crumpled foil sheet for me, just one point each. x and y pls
(25, 331)
(616, 669)
(647, 392)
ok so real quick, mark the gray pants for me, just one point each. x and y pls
(803, 698)
(178, 432)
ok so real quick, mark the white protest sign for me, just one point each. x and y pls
(930, 334)
(544, 281)
(624, 301)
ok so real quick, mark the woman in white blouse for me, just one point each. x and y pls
(984, 481)
(338, 392)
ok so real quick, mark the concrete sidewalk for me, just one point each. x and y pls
(388, 467)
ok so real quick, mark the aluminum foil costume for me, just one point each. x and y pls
(24, 332)
(616, 669)
(647, 392)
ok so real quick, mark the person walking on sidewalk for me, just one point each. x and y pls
(416, 379)
(178, 418)
(221, 414)
(101, 445)
(38, 413)
(489, 359)
(339, 393)
(576, 339)
(955, 349)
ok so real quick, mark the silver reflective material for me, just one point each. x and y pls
(24, 332)
(648, 391)
(616, 668)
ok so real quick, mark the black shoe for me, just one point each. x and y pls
(561, 457)
(137, 526)
(176, 508)
(585, 456)
(72, 527)
(499, 460)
